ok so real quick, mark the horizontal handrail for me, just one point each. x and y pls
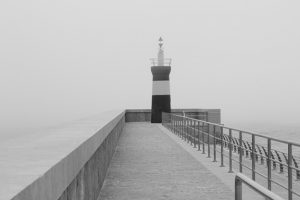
(244, 131)
(240, 178)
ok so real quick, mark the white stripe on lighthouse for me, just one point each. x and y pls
(161, 88)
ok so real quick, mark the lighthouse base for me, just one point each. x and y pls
(160, 103)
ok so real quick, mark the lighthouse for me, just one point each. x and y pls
(161, 99)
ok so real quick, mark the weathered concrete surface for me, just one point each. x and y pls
(149, 165)
(42, 165)
(138, 115)
(88, 182)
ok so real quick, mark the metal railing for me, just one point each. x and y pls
(242, 149)
(240, 178)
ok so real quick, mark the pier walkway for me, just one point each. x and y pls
(148, 164)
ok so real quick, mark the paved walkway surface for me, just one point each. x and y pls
(149, 165)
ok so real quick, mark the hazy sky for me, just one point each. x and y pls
(66, 59)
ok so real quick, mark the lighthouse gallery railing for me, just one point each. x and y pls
(242, 147)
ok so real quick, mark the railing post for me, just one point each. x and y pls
(230, 151)
(222, 148)
(176, 125)
(198, 136)
(194, 125)
(203, 138)
(215, 152)
(241, 151)
(269, 165)
(182, 131)
(253, 157)
(208, 142)
(238, 189)
(189, 132)
(192, 132)
(184, 128)
(181, 128)
(290, 173)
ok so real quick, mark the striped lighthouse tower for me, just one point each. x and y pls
(161, 99)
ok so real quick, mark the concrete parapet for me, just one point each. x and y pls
(138, 115)
(88, 182)
(64, 163)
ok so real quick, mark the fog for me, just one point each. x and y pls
(68, 59)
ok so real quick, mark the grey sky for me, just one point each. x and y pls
(63, 60)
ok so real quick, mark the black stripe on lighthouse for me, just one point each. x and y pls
(161, 99)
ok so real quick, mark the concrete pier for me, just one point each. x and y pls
(148, 164)
(121, 155)
(70, 161)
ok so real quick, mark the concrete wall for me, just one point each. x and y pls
(80, 174)
(88, 182)
(138, 115)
